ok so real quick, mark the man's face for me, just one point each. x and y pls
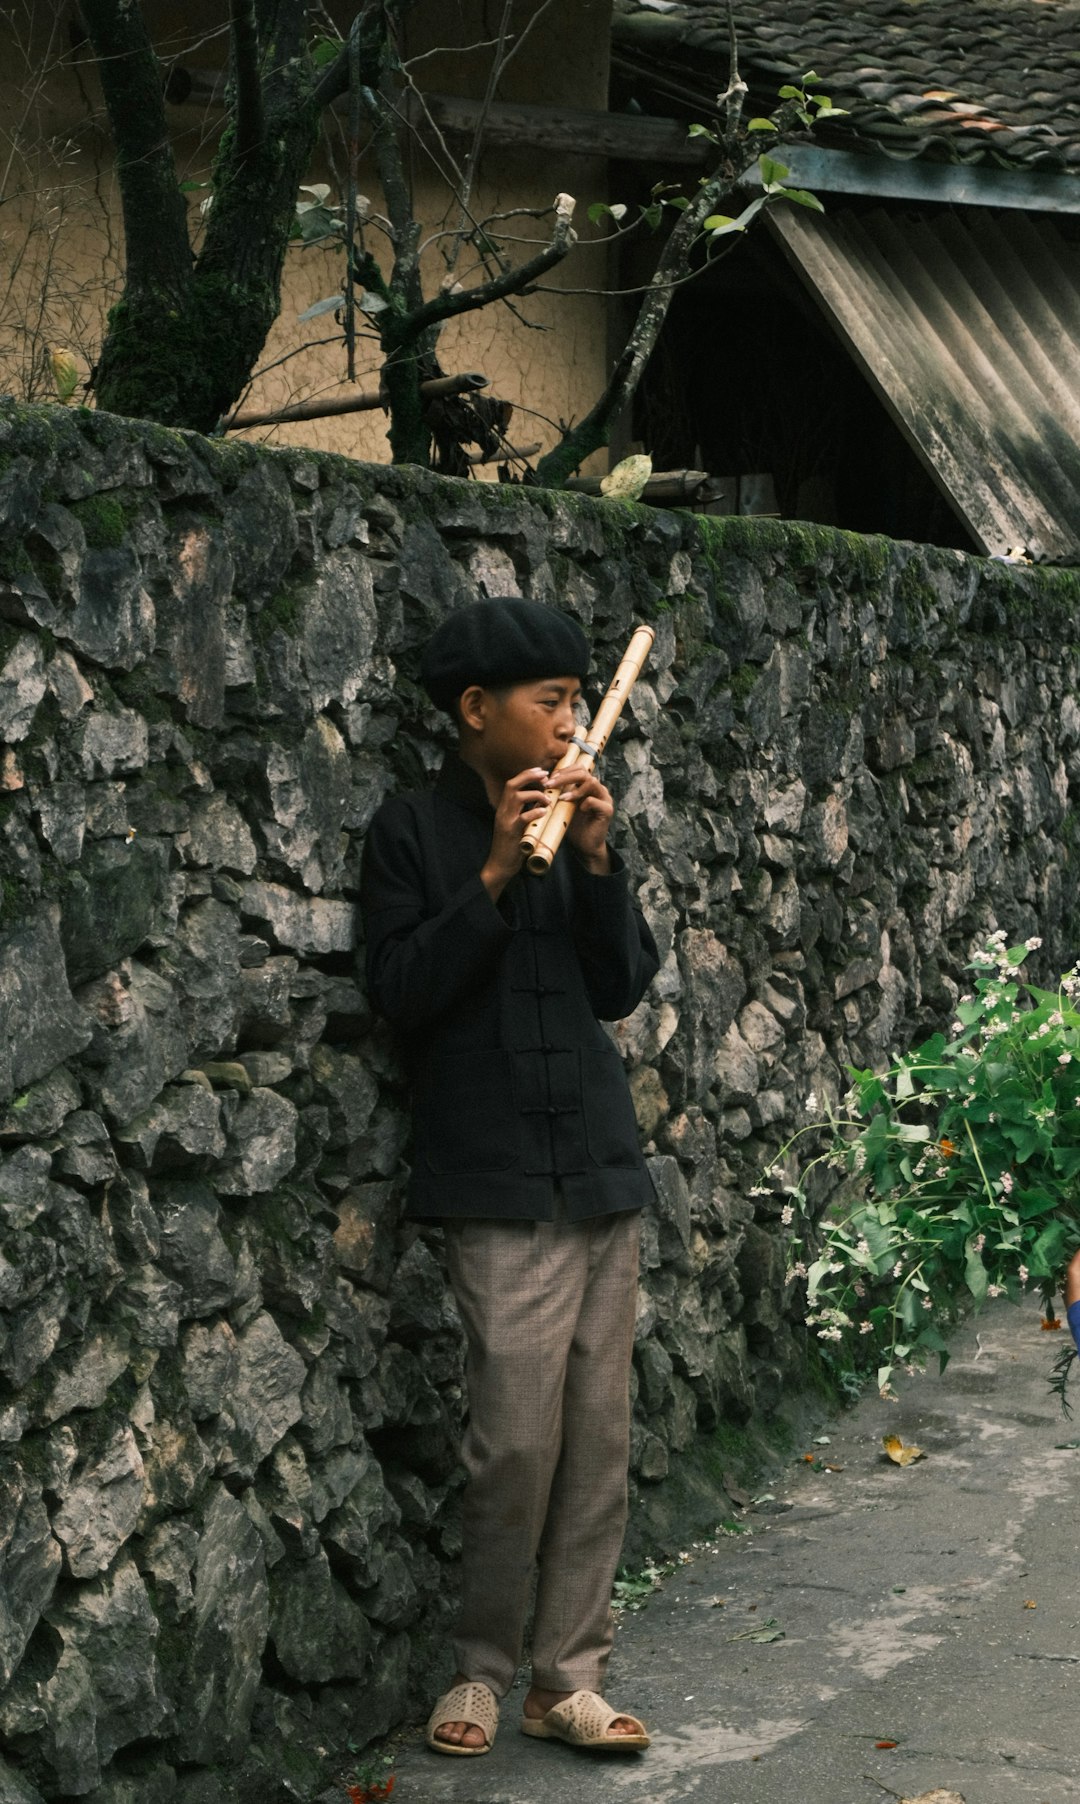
(529, 724)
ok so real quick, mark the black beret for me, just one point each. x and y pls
(501, 641)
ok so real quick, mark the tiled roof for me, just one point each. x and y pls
(992, 81)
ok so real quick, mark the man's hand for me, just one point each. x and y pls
(524, 799)
(588, 829)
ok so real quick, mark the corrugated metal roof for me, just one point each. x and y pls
(968, 326)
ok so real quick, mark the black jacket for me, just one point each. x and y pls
(515, 1083)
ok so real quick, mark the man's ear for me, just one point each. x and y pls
(473, 707)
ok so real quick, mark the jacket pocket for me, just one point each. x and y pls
(611, 1131)
(465, 1114)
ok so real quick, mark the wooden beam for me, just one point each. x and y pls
(620, 137)
(364, 402)
(665, 488)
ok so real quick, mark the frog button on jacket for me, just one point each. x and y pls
(516, 1086)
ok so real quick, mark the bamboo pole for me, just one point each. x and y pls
(542, 839)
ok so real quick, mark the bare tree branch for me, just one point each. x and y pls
(473, 157)
(447, 304)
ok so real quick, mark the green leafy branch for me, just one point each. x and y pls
(957, 1173)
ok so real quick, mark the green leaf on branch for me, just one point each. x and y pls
(772, 172)
(976, 1276)
(601, 210)
(818, 1272)
(802, 198)
(762, 125)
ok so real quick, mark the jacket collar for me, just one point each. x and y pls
(458, 782)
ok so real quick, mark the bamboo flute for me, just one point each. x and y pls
(542, 839)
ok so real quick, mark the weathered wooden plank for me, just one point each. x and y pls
(620, 137)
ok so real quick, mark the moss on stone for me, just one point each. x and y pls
(283, 612)
(742, 681)
(104, 520)
(136, 689)
(15, 560)
(914, 590)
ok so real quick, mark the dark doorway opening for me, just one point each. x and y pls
(750, 382)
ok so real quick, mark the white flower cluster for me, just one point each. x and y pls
(1070, 983)
(830, 1322)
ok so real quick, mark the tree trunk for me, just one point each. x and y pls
(157, 288)
(182, 342)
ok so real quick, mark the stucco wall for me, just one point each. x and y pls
(229, 1380)
(62, 233)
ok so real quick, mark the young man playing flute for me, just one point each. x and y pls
(525, 1149)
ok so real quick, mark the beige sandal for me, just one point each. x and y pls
(469, 1703)
(583, 1720)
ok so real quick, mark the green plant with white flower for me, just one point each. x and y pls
(960, 1168)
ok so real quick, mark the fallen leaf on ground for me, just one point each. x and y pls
(898, 1453)
(834, 1468)
(717, 1603)
(1049, 1322)
(767, 1632)
(935, 1797)
(885, 1744)
(1030, 1604)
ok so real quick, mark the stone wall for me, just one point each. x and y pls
(229, 1381)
